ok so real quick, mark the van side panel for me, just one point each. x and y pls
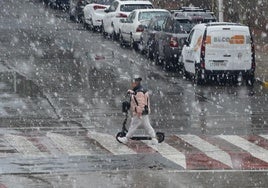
(228, 48)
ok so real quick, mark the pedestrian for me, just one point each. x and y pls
(140, 107)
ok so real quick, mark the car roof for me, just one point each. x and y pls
(134, 2)
(151, 10)
(218, 24)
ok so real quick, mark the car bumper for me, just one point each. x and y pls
(136, 37)
(229, 72)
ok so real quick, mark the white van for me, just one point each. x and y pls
(219, 50)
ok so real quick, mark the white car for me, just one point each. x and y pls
(133, 26)
(221, 51)
(118, 10)
(94, 13)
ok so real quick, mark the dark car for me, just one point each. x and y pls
(148, 36)
(195, 14)
(169, 42)
(76, 9)
(175, 31)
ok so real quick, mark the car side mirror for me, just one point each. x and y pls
(106, 10)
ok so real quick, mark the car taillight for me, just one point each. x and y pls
(174, 42)
(140, 28)
(203, 50)
(121, 15)
(98, 7)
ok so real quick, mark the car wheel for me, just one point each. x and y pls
(113, 36)
(121, 40)
(156, 58)
(149, 53)
(104, 34)
(141, 46)
(198, 79)
(250, 79)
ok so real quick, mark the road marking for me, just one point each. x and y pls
(69, 145)
(210, 150)
(169, 152)
(24, 146)
(253, 149)
(109, 142)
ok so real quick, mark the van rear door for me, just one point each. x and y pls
(228, 48)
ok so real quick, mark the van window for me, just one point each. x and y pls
(190, 36)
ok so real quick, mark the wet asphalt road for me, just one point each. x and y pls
(70, 81)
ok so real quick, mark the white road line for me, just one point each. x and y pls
(24, 146)
(210, 150)
(169, 152)
(109, 142)
(253, 149)
(69, 145)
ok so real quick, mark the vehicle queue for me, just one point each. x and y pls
(188, 40)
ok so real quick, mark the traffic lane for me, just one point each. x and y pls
(139, 178)
(75, 66)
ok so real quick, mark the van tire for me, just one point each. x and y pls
(250, 79)
(197, 78)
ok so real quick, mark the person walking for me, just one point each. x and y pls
(140, 107)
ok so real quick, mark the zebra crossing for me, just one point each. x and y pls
(190, 152)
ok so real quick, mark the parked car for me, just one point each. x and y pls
(118, 10)
(219, 49)
(195, 14)
(170, 40)
(148, 36)
(94, 13)
(132, 27)
(76, 9)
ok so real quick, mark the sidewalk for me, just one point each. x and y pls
(262, 66)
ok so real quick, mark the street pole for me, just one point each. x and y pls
(220, 10)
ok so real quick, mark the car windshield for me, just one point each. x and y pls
(131, 7)
(183, 26)
(150, 15)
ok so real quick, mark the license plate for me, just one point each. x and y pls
(218, 63)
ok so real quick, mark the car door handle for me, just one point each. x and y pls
(227, 55)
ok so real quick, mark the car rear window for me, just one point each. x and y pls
(150, 15)
(183, 26)
(131, 7)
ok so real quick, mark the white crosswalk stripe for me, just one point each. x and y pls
(24, 146)
(109, 142)
(56, 144)
(210, 150)
(169, 152)
(69, 145)
(253, 149)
